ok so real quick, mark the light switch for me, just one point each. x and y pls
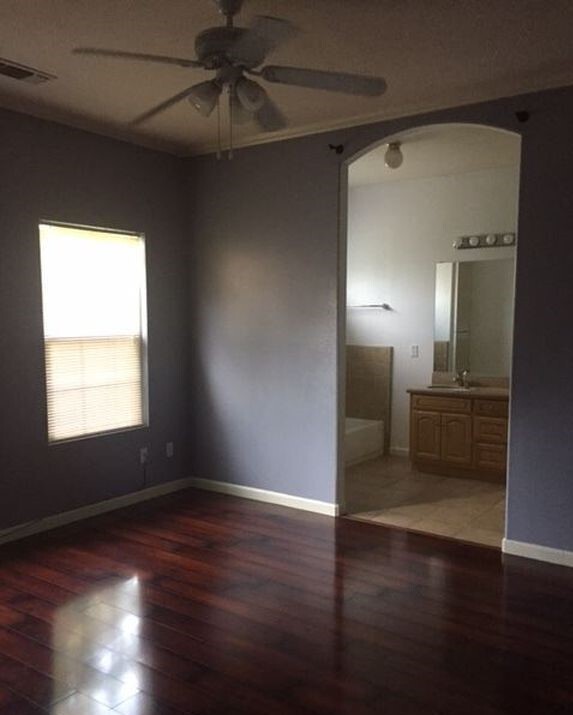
(414, 351)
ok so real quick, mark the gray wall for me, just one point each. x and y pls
(264, 318)
(48, 171)
(263, 327)
(257, 328)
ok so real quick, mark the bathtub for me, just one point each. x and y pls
(363, 439)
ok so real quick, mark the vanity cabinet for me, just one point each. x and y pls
(459, 435)
(456, 447)
(426, 432)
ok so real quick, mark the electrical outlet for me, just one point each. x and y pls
(169, 449)
(143, 455)
(414, 351)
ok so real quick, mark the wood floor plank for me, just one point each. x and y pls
(207, 604)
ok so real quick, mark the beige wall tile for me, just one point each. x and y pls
(368, 384)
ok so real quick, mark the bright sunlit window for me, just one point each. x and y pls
(93, 295)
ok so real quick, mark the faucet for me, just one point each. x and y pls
(462, 378)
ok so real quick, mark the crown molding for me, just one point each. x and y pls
(402, 111)
(470, 96)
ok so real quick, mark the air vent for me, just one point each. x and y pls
(23, 73)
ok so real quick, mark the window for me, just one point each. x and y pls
(93, 293)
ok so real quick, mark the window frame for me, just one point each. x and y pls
(144, 353)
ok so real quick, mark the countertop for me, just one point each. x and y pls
(489, 393)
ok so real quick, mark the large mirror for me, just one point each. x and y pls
(473, 325)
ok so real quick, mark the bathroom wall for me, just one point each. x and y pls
(397, 231)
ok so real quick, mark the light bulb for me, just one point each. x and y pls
(251, 95)
(393, 157)
(204, 96)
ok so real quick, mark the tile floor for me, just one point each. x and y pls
(387, 490)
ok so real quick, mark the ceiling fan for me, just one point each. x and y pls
(232, 53)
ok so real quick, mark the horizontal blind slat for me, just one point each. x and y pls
(93, 287)
(93, 385)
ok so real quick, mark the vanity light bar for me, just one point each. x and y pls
(486, 240)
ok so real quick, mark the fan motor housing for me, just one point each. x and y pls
(214, 48)
(229, 7)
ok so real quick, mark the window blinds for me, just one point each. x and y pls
(93, 292)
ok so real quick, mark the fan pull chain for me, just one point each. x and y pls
(218, 128)
(230, 122)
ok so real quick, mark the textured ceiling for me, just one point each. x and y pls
(432, 54)
(439, 150)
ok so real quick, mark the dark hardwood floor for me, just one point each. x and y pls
(202, 603)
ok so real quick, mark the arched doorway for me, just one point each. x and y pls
(414, 453)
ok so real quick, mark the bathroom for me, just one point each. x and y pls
(431, 245)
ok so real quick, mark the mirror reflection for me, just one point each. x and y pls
(473, 317)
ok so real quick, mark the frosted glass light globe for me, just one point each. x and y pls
(393, 157)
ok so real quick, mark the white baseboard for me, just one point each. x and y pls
(20, 531)
(85, 512)
(294, 502)
(537, 552)
(399, 451)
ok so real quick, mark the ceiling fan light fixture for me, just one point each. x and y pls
(251, 95)
(204, 97)
(393, 158)
(231, 51)
(239, 113)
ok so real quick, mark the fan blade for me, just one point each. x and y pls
(264, 36)
(331, 81)
(161, 107)
(269, 117)
(138, 56)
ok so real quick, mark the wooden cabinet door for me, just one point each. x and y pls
(491, 457)
(457, 439)
(426, 435)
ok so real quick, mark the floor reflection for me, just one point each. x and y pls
(245, 607)
(95, 643)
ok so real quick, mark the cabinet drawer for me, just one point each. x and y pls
(491, 408)
(490, 457)
(491, 430)
(441, 404)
